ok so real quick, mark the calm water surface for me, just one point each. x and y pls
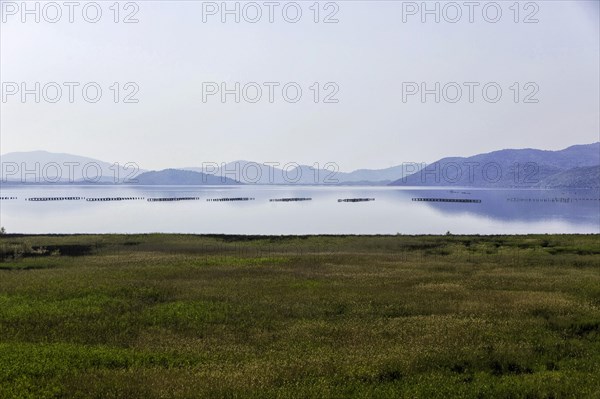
(393, 210)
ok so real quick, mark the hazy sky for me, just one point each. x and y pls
(368, 55)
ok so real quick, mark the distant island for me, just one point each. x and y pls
(577, 166)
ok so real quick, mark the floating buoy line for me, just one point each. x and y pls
(289, 199)
(460, 200)
(356, 199)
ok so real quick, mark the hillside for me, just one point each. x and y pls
(588, 177)
(504, 168)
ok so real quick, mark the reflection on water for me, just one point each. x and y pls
(296, 210)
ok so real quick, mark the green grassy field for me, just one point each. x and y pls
(180, 316)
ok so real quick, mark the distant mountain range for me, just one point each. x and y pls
(259, 173)
(181, 177)
(42, 167)
(575, 167)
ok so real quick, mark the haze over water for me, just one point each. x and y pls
(393, 211)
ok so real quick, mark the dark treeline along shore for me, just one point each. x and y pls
(182, 316)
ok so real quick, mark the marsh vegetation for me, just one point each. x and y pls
(181, 316)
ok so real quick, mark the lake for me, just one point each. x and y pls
(210, 210)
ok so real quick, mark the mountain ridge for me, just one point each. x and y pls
(509, 168)
(167, 177)
(526, 167)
